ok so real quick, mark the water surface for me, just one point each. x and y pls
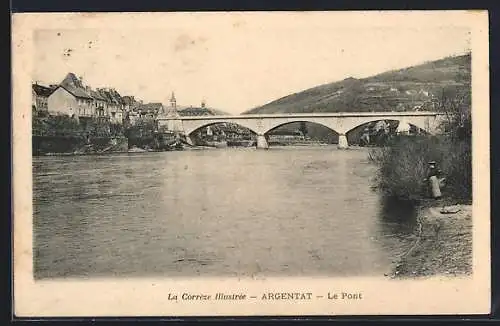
(292, 211)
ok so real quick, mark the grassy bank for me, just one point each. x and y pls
(442, 245)
(403, 167)
(442, 242)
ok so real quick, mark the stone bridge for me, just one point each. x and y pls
(341, 123)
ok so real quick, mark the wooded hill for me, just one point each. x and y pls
(405, 89)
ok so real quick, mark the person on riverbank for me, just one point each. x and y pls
(365, 137)
(435, 180)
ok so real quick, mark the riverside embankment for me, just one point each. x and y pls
(442, 244)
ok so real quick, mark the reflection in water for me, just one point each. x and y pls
(228, 212)
(397, 223)
(399, 216)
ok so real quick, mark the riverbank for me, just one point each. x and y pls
(442, 244)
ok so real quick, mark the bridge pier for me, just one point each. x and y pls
(262, 142)
(343, 144)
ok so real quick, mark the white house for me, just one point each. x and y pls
(69, 102)
(71, 98)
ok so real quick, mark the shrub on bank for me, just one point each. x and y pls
(403, 163)
(64, 125)
(56, 125)
(403, 166)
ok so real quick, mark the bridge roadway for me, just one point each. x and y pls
(341, 122)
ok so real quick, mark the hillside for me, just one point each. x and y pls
(399, 90)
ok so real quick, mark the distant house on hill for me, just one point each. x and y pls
(40, 96)
(424, 92)
(71, 97)
(411, 92)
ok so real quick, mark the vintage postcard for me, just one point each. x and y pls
(249, 164)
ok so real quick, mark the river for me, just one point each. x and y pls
(288, 211)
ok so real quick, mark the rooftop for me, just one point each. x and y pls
(75, 86)
(42, 90)
(149, 107)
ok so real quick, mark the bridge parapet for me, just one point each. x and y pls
(340, 123)
(307, 115)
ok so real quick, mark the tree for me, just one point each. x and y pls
(455, 103)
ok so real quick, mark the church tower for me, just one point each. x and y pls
(173, 102)
(172, 109)
(171, 120)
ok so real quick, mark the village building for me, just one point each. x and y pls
(128, 105)
(40, 95)
(196, 111)
(114, 104)
(116, 113)
(73, 98)
(132, 117)
(33, 100)
(129, 102)
(70, 97)
(131, 112)
(100, 103)
(150, 110)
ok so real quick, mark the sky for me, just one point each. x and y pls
(235, 63)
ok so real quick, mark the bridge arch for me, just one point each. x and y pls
(423, 124)
(191, 126)
(326, 125)
(420, 122)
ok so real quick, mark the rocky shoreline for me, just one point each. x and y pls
(442, 244)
